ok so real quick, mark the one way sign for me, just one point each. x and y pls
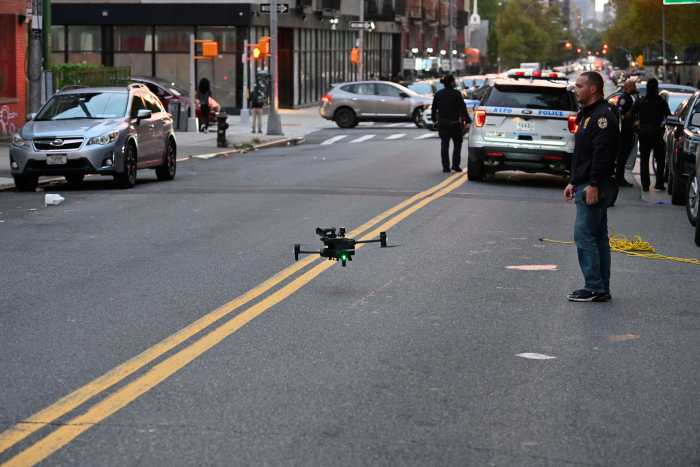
(281, 8)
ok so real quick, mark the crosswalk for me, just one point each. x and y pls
(368, 137)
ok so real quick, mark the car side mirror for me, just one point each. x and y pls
(403, 95)
(143, 114)
(31, 116)
(672, 120)
(695, 119)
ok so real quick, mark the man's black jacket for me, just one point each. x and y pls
(597, 137)
(448, 106)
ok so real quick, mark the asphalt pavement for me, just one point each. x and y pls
(408, 356)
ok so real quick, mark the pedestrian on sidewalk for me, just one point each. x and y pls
(450, 113)
(203, 96)
(594, 151)
(625, 105)
(257, 102)
(651, 112)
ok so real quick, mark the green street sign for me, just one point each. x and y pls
(681, 2)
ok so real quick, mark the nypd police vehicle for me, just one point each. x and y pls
(525, 122)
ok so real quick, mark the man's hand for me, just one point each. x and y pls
(569, 192)
(591, 195)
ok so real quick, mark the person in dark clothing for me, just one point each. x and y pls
(651, 112)
(203, 94)
(624, 107)
(594, 151)
(449, 112)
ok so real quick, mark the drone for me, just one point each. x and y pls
(336, 246)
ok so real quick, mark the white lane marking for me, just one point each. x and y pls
(535, 356)
(394, 125)
(534, 267)
(334, 139)
(409, 125)
(426, 136)
(623, 338)
(362, 138)
(396, 136)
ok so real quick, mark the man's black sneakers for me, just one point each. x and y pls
(583, 295)
(457, 169)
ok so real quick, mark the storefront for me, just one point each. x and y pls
(13, 37)
(313, 53)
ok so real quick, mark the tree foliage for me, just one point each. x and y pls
(529, 32)
(638, 25)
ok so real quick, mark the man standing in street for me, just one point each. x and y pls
(624, 106)
(595, 149)
(449, 112)
(652, 110)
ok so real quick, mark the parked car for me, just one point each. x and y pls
(424, 88)
(428, 117)
(693, 205)
(377, 101)
(675, 99)
(107, 131)
(682, 137)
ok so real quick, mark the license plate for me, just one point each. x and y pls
(57, 159)
(522, 125)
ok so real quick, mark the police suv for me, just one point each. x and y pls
(526, 122)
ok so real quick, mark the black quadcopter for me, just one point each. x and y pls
(336, 246)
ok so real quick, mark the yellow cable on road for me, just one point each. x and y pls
(635, 247)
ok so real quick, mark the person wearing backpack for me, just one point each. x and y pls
(257, 102)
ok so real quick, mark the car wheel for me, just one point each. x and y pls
(127, 179)
(26, 182)
(75, 180)
(168, 169)
(345, 118)
(418, 117)
(693, 203)
(679, 191)
(475, 170)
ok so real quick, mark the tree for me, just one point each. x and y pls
(529, 32)
(638, 25)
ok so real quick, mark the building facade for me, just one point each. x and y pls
(14, 16)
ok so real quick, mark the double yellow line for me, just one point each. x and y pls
(68, 431)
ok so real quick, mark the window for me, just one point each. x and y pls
(8, 75)
(85, 44)
(84, 106)
(152, 104)
(530, 97)
(173, 39)
(387, 90)
(136, 105)
(133, 47)
(366, 89)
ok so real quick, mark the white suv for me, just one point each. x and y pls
(525, 124)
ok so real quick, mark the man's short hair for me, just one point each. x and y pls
(595, 79)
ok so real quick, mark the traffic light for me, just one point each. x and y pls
(210, 49)
(355, 56)
(264, 45)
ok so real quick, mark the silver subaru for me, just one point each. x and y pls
(107, 131)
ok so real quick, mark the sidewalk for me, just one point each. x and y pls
(295, 124)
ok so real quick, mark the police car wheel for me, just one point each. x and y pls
(475, 170)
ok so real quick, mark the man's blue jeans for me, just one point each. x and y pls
(592, 243)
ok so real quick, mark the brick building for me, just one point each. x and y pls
(13, 37)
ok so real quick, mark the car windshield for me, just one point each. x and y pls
(531, 98)
(468, 83)
(421, 88)
(675, 100)
(85, 105)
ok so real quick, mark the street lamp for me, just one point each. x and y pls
(414, 50)
(454, 52)
(443, 52)
(429, 50)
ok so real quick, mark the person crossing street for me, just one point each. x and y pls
(450, 113)
(625, 109)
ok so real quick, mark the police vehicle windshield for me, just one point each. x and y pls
(531, 97)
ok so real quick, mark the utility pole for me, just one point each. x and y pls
(245, 112)
(450, 33)
(35, 58)
(663, 39)
(361, 44)
(46, 43)
(274, 123)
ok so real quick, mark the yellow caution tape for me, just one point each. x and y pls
(633, 247)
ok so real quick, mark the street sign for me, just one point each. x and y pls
(680, 2)
(365, 25)
(281, 8)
